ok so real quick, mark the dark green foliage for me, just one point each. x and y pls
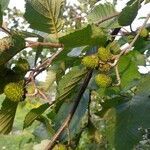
(126, 123)
(129, 13)
(109, 108)
(18, 43)
(34, 114)
(89, 35)
(22, 66)
(7, 115)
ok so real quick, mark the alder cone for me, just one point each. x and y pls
(91, 61)
(103, 80)
(104, 67)
(14, 91)
(104, 54)
(144, 33)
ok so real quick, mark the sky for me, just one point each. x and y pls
(120, 5)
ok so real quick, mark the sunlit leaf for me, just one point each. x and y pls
(44, 15)
(34, 114)
(89, 35)
(129, 13)
(7, 115)
(103, 12)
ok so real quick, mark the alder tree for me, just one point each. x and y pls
(94, 95)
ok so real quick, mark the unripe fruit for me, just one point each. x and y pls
(103, 80)
(5, 43)
(14, 91)
(104, 67)
(104, 54)
(91, 61)
(22, 66)
(144, 32)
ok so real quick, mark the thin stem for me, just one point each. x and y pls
(70, 115)
(127, 49)
(44, 44)
(42, 66)
(5, 30)
(107, 18)
(117, 76)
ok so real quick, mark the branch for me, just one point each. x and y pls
(45, 44)
(70, 115)
(5, 30)
(43, 66)
(117, 76)
(107, 18)
(127, 49)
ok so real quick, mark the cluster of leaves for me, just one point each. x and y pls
(114, 117)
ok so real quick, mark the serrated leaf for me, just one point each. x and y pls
(89, 35)
(7, 115)
(34, 114)
(69, 82)
(129, 13)
(48, 13)
(18, 44)
(126, 123)
(101, 12)
(128, 71)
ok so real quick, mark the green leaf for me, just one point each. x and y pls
(22, 141)
(34, 114)
(126, 124)
(90, 139)
(111, 103)
(18, 44)
(69, 82)
(76, 124)
(50, 78)
(46, 123)
(128, 71)
(138, 57)
(101, 12)
(44, 15)
(3, 6)
(89, 35)
(129, 13)
(7, 115)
